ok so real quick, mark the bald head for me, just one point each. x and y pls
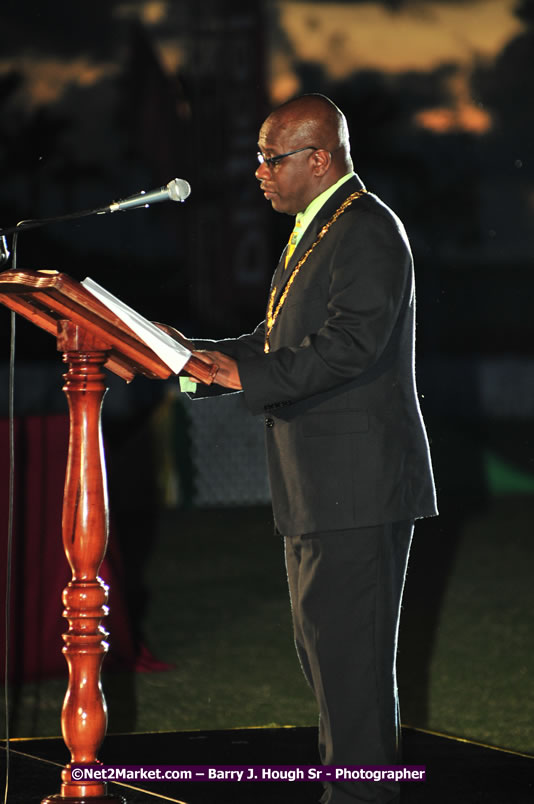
(316, 120)
(304, 149)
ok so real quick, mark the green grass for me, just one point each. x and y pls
(481, 675)
(218, 611)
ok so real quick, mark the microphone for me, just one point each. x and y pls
(4, 250)
(175, 190)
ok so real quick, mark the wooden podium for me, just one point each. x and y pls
(91, 337)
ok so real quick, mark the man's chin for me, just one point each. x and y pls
(278, 206)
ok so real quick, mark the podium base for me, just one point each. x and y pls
(57, 798)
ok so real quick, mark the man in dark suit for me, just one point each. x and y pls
(332, 370)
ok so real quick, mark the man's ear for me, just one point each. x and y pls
(321, 161)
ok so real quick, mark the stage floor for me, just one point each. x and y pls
(456, 770)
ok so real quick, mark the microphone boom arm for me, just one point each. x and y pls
(175, 190)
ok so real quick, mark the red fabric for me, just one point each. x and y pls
(40, 570)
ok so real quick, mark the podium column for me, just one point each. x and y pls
(85, 535)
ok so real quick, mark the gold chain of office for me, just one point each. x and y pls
(272, 312)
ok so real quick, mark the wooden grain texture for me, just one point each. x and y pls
(48, 297)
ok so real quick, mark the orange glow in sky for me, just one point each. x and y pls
(443, 120)
(345, 38)
(46, 79)
(463, 114)
(341, 37)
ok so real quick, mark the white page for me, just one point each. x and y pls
(173, 354)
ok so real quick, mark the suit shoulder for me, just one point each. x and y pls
(371, 212)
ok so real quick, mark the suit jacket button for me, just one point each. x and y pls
(269, 422)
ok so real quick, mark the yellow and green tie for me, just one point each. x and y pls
(293, 240)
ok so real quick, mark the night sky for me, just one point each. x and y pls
(99, 100)
(102, 98)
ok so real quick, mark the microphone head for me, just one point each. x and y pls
(179, 189)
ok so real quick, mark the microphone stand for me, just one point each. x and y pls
(36, 222)
(175, 190)
(4, 250)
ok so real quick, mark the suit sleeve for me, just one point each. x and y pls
(369, 274)
(246, 346)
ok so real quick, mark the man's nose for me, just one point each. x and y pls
(262, 172)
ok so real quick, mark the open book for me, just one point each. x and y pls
(173, 353)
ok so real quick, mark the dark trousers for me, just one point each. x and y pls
(346, 590)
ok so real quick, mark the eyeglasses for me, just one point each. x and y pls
(272, 161)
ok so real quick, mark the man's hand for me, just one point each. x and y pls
(228, 374)
(176, 334)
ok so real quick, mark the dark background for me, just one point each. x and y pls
(93, 108)
(98, 101)
(101, 100)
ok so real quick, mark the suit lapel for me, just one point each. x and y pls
(282, 273)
